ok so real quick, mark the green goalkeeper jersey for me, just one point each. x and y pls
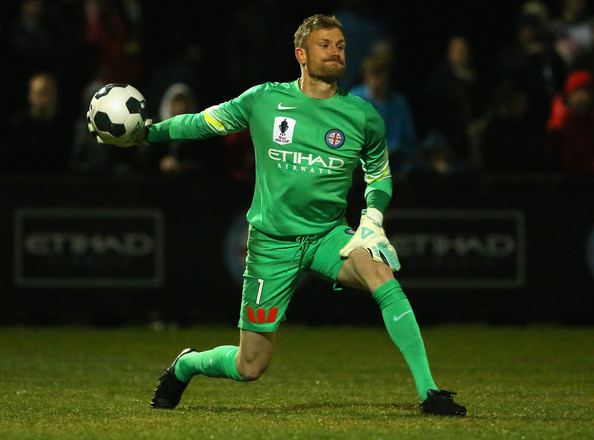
(306, 150)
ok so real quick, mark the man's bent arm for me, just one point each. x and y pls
(195, 126)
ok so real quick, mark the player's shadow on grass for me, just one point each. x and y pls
(354, 409)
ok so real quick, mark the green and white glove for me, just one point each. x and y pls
(370, 235)
(138, 137)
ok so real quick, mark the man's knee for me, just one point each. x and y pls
(252, 371)
(362, 272)
(373, 273)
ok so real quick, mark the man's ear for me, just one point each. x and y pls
(300, 55)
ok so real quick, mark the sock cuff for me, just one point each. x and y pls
(229, 364)
(389, 293)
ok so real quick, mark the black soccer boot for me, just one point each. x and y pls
(441, 402)
(170, 389)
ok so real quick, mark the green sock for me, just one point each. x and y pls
(218, 362)
(404, 331)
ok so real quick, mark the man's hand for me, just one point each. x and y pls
(138, 136)
(370, 235)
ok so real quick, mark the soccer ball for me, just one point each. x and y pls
(116, 113)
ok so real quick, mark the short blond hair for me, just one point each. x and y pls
(314, 23)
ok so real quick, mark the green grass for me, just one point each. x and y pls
(324, 383)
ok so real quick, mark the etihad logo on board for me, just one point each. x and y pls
(87, 247)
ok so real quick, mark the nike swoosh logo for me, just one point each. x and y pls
(282, 107)
(399, 317)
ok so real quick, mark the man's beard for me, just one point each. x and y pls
(328, 74)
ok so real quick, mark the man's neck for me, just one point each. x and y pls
(315, 88)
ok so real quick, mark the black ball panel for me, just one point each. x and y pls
(103, 123)
(135, 106)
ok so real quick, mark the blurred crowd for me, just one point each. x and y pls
(530, 109)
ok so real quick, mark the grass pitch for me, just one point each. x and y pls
(325, 383)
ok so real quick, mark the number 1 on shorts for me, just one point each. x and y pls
(260, 287)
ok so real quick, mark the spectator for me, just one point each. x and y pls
(538, 9)
(184, 64)
(571, 125)
(367, 29)
(33, 40)
(572, 30)
(504, 139)
(434, 159)
(32, 46)
(114, 31)
(377, 87)
(179, 157)
(532, 64)
(584, 60)
(453, 96)
(39, 137)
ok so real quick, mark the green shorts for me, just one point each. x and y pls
(273, 267)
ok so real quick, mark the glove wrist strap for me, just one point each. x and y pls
(375, 215)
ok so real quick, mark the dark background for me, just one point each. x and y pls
(421, 29)
(241, 44)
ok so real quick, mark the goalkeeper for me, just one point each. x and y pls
(309, 136)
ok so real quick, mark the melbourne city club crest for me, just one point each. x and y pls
(335, 138)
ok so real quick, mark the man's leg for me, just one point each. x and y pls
(245, 362)
(271, 269)
(361, 272)
(242, 363)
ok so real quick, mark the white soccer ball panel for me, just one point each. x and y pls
(114, 104)
(133, 91)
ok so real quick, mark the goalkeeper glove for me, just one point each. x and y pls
(370, 235)
(138, 136)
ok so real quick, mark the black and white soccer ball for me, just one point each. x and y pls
(117, 113)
